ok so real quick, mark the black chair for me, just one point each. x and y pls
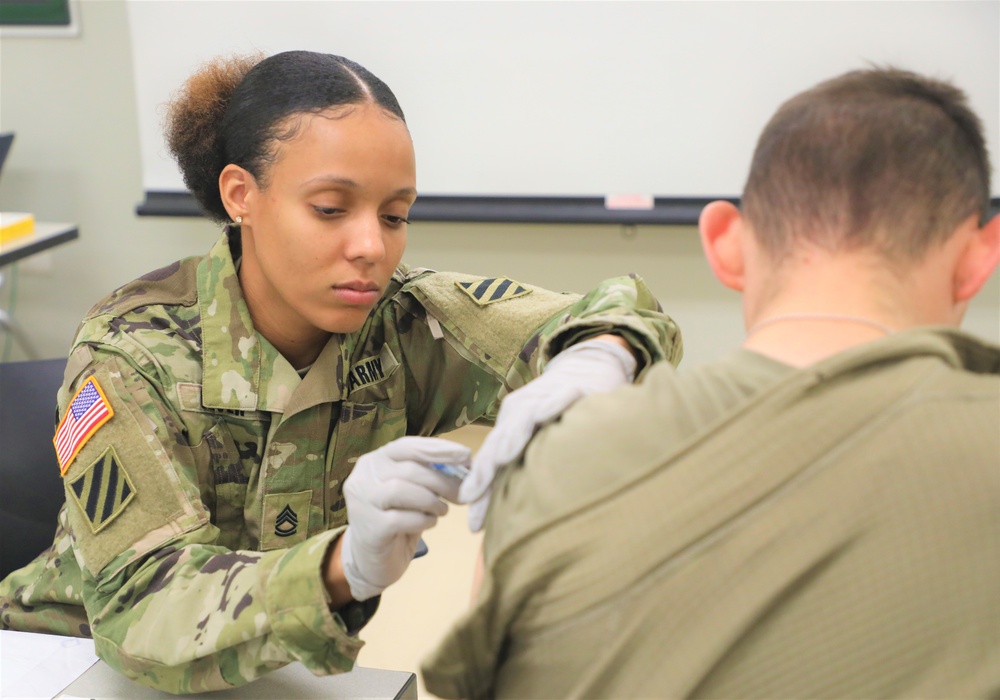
(31, 490)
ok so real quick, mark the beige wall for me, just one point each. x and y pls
(75, 158)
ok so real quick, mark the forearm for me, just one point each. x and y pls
(622, 309)
(337, 588)
(616, 339)
(462, 358)
(233, 616)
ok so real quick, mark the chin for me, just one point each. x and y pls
(346, 323)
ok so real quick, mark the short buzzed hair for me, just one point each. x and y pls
(880, 158)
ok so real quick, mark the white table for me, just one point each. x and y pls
(47, 666)
(46, 235)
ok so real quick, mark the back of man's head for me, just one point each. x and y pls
(881, 158)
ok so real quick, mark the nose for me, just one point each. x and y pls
(365, 239)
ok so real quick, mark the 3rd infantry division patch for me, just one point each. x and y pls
(494, 289)
(103, 490)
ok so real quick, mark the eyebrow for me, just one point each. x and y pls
(351, 184)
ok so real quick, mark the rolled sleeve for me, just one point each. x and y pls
(296, 603)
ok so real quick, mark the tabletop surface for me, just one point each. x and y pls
(46, 235)
(293, 682)
(48, 666)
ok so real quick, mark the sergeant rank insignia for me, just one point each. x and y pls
(102, 490)
(287, 522)
(492, 290)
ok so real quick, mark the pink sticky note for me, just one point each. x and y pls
(628, 201)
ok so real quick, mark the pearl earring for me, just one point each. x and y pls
(239, 219)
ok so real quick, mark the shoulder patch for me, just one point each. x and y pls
(102, 490)
(112, 527)
(492, 290)
(88, 410)
(491, 334)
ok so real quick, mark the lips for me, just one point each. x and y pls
(358, 286)
(358, 293)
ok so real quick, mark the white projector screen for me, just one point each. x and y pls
(576, 99)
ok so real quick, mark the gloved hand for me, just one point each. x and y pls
(590, 367)
(392, 497)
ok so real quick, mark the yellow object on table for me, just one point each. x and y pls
(15, 224)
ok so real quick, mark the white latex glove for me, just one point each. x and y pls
(392, 497)
(591, 367)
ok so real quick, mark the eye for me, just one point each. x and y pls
(327, 211)
(395, 220)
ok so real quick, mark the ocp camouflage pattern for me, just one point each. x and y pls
(210, 575)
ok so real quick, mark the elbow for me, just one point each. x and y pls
(180, 671)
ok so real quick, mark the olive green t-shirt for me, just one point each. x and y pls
(750, 530)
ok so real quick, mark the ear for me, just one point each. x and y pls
(235, 187)
(977, 260)
(721, 229)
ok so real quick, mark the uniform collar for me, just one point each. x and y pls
(241, 370)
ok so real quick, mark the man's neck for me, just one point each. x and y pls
(802, 339)
(819, 306)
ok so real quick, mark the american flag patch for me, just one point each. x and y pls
(87, 412)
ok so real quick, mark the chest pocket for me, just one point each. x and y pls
(361, 428)
(231, 480)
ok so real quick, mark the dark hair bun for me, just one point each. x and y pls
(192, 127)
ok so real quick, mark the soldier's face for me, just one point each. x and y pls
(322, 238)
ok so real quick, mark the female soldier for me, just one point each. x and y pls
(213, 409)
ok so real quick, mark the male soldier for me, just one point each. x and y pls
(815, 516)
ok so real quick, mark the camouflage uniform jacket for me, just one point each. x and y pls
(198, 515)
